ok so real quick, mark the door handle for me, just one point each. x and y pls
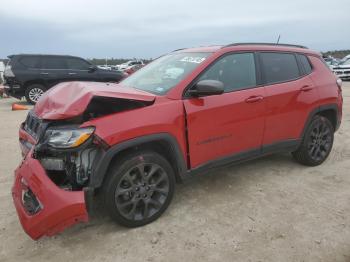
(253, 99)
(306, 88)
(72, 73)
(44, 73)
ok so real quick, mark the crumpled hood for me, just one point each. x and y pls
(67, 100)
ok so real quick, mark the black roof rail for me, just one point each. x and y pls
(272, 44)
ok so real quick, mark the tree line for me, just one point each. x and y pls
(337, 53)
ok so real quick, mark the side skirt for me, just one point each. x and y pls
(279, 147)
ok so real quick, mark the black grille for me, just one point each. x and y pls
(33, 125)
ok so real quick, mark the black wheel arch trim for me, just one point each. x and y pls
(103, 160)
(318, 110)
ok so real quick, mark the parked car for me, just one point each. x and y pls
(105, 67)
(32, 75)
(130, 63)
(2, 69)
(342, 70)
(126, 145)
(132, 69)
(331, 61)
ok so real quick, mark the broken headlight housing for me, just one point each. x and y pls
(66, 138)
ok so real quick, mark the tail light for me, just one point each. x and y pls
(339, 83)
(8, 71)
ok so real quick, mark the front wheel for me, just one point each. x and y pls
(317, 142)
(139, 188)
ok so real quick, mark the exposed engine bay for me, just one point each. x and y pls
(70, 168)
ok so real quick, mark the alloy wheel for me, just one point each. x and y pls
(320, 141)
(35, 93)
(142, 191)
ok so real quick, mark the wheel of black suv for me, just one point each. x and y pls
(33, 93)
(317, 142)
(139, 188)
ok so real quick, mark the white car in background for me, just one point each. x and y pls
(2, 69)
(130, 63)
(105, 67)
(342, 70)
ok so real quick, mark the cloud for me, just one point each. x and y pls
(150, 28)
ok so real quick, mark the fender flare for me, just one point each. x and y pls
(317, 110)
(103, 160)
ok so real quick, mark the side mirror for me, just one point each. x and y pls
(92, 68)
(207, 88)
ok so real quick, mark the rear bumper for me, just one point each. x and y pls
(59, 208)
(16, 92)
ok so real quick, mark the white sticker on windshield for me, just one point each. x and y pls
(193, 59)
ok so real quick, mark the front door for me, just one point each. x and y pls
(231, 123)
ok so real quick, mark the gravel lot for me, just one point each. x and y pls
(270, 209)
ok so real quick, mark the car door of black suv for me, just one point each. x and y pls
(53, 70)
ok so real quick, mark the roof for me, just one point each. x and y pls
(252, 46)
(10, 56)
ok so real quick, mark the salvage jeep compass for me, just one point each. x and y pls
(126, 145)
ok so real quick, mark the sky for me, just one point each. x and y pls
(150, 28)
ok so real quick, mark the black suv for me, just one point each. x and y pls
(32, 75)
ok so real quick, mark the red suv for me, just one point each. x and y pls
(126, 145)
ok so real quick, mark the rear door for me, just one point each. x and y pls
(230, 123)
(290, 94)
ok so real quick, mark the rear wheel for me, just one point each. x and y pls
(33, 93)
(317, 142)
(139, 188)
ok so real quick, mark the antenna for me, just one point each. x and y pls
(278, 40)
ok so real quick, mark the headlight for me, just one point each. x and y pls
(68, 138)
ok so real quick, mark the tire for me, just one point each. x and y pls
(139, 188)
(317, 142)
(33, 93)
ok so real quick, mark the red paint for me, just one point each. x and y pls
(67, 100)
(217, 126)
(60, 208)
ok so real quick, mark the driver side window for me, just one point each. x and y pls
(235, 71)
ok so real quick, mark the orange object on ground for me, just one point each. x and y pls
(18, 107)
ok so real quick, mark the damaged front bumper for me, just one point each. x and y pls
(43, 207)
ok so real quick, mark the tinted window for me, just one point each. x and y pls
(236, 71)
(305, 64)
(54, 63)
(279, 67)
(78, 64)
(30, 61)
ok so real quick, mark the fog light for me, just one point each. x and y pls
(30, 202)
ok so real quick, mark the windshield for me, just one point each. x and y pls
(165, 72)
(346, 62)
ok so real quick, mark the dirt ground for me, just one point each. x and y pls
(270, 209)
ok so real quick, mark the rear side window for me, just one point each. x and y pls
(279, 67)
(54, 63)
(30, 61)
(77, 64)
(305, 63)
(235, 71)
